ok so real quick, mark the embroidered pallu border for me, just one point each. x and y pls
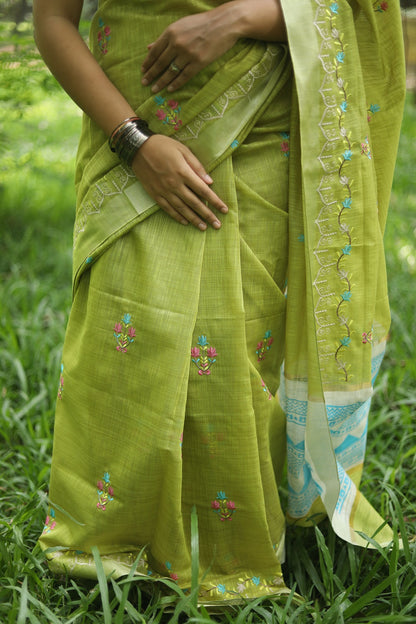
(347, 109)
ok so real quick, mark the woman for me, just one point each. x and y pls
(167, 396)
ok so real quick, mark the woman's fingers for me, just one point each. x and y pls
(168, 208)
(155, 49)
(199, 183)
(195, 210)
(175, 76)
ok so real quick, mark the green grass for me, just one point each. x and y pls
(339, 583)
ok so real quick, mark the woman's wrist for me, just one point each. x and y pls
(128, 137)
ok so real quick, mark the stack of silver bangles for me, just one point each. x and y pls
(128, 137)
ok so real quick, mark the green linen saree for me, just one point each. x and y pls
(168, 390)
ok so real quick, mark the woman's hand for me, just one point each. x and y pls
(193, 42)
(184, 48)
(177, 181)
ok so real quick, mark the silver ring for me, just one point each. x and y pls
(175, 68)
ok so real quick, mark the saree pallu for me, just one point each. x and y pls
(167, 398)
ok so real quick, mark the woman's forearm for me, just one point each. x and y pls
(256, 19)
(73, 65)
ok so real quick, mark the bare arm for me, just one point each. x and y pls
(64, 51)
(168, 170)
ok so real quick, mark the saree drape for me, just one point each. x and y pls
(167, 397)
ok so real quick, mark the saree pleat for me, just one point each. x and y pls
(167, 399)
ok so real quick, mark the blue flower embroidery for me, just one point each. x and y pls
(334, 7)
(221, 589)
(347, 202)
(346, 296)
(301, 238)
(126, 318)
(221, 495)
(374, 108)
(88, 260)
(345, 341)
(344, 105)
(256, 580)
(159, 99)
(340, 57)
(234, 144)
(202, 341)
(346, 250)
(347, 154)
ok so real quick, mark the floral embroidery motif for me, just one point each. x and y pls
(284, 146)
(264, 345)
(367, 337)
(172, 575)
(61, 383)
(223, 507)
(380, 7)
(266, 390)
(234, 144)
(203, 356)
(372, 110)
(346, 203)
(50, 522)
(105, 492)
(365, 148)
(168, 112)
(103, 36)
(124, 333)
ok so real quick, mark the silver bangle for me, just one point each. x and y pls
(129, 138)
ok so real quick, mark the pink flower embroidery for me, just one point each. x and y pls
(103, 36)
(203, 356)
(264, 345)
(105, 492)
(50, 522)
(367, 337)
(223, 507)
(285, 145)
(168, 112)
(124, 333)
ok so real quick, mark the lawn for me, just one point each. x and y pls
(339, 583)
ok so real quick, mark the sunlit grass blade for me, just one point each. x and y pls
(102, 581)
